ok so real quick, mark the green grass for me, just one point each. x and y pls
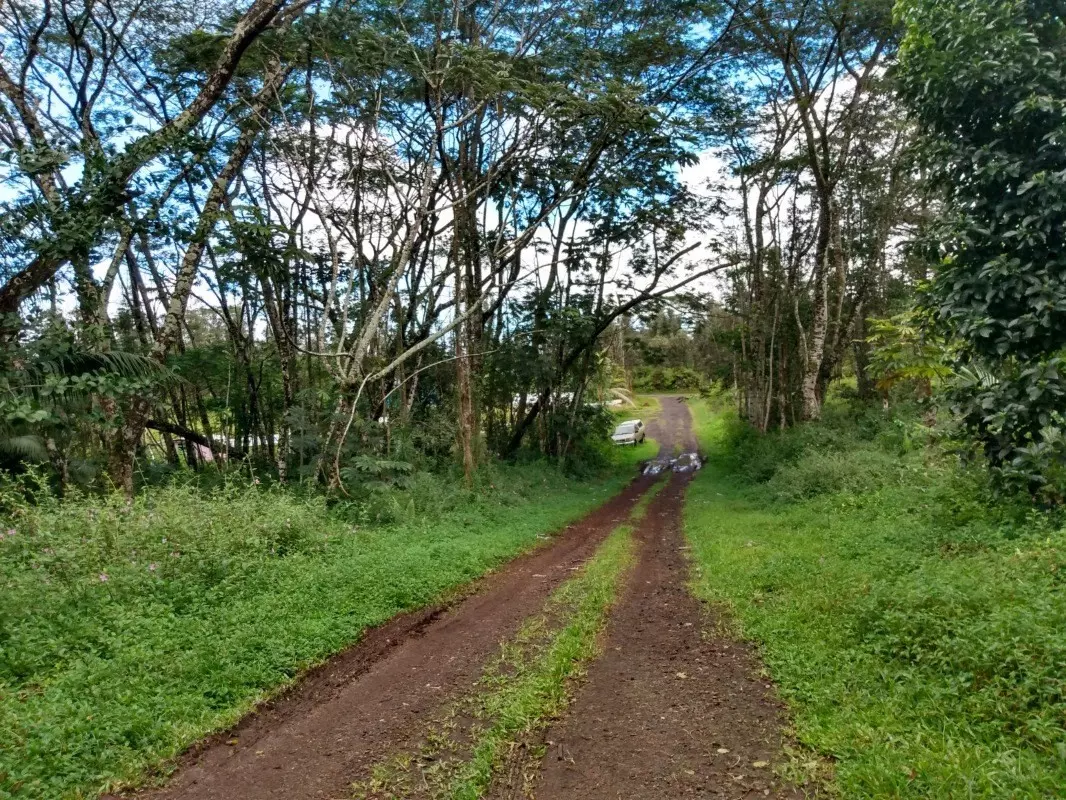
(917, 631)
(647, 406)
(630, 456)
(127, 633)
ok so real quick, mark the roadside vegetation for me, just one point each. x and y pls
(901, 567)
(312, 310)
(914, 623)
(634, 455)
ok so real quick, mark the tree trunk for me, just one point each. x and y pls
(861, 349)
(810, 394)
(467, 425)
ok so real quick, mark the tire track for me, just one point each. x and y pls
(667, 711)
(364, 703)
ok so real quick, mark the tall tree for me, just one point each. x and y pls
(810, 122)
(65, 69)
(984, 81)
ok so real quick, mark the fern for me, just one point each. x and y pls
(22, 447)
(46, 390)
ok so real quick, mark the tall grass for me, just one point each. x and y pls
(128, 631)
(916, 628)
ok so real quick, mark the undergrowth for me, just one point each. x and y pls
(916, 627)
(129, 631)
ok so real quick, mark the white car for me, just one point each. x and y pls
(629, 432)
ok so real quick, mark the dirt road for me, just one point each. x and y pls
(359, 706)
(665, 712)
(669, 710)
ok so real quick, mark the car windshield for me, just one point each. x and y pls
(630, 428)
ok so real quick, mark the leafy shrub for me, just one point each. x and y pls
(429, 439)
(845, 429)
(983, 81)
(667, 379)
(718, 397)
(819, 472)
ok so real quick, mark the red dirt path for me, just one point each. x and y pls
(666, 712)
(669, 711)
(360, 705)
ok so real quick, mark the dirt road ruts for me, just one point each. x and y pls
(363, 703)
(670, 710)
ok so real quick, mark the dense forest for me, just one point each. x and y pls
(276, 271)
(304, 234)
(291, 233)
